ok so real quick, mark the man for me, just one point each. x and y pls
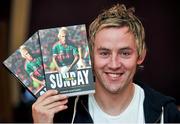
(118, 48)
(65, 56)
(33, 67)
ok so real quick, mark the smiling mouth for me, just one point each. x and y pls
(114, 75)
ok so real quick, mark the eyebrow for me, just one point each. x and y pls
(121, 49)
(103, 48)
(126, 48)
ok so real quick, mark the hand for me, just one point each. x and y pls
(69, 67)
(47, 105)
(58, 69)
(64, 69)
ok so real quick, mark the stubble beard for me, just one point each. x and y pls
(107, 86)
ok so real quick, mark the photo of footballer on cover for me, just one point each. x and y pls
(26, 65)
(66, 53)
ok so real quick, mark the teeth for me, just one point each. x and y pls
(114, 75)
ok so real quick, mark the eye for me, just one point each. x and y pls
(104, 54)
(125, 53)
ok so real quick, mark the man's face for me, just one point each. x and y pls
(115, 59)
(62, 38)
(27, 55)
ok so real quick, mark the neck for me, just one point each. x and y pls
(114, 103)
(30, 59)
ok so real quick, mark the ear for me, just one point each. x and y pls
(142, 57)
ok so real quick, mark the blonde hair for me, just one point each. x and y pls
(119, 16)
(61, 30)
(22, 49)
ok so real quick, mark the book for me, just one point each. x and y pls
(25, 64)
(54, 58)
(66, 53)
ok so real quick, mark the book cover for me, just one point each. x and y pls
(26, 65)
(65, 51)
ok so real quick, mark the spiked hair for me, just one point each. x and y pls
(119, 16)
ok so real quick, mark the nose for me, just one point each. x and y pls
(115, 62)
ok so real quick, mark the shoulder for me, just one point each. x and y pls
(154, 95)
(154, 99)
(57, 44)
(28, 64)
(72, 46)
(154, 102)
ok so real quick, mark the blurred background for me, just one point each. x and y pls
(19, 19)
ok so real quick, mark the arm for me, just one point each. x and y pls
(86, 53)
(55, 53)
(44, 109)
(76, 58)
(56, 65)
(172, 112)
(38, 81)
(29, 69)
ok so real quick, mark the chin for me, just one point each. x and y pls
(114, 90)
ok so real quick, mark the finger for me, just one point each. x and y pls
(58, 108)
(45, 95)
(58, 103)
(52, 99)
